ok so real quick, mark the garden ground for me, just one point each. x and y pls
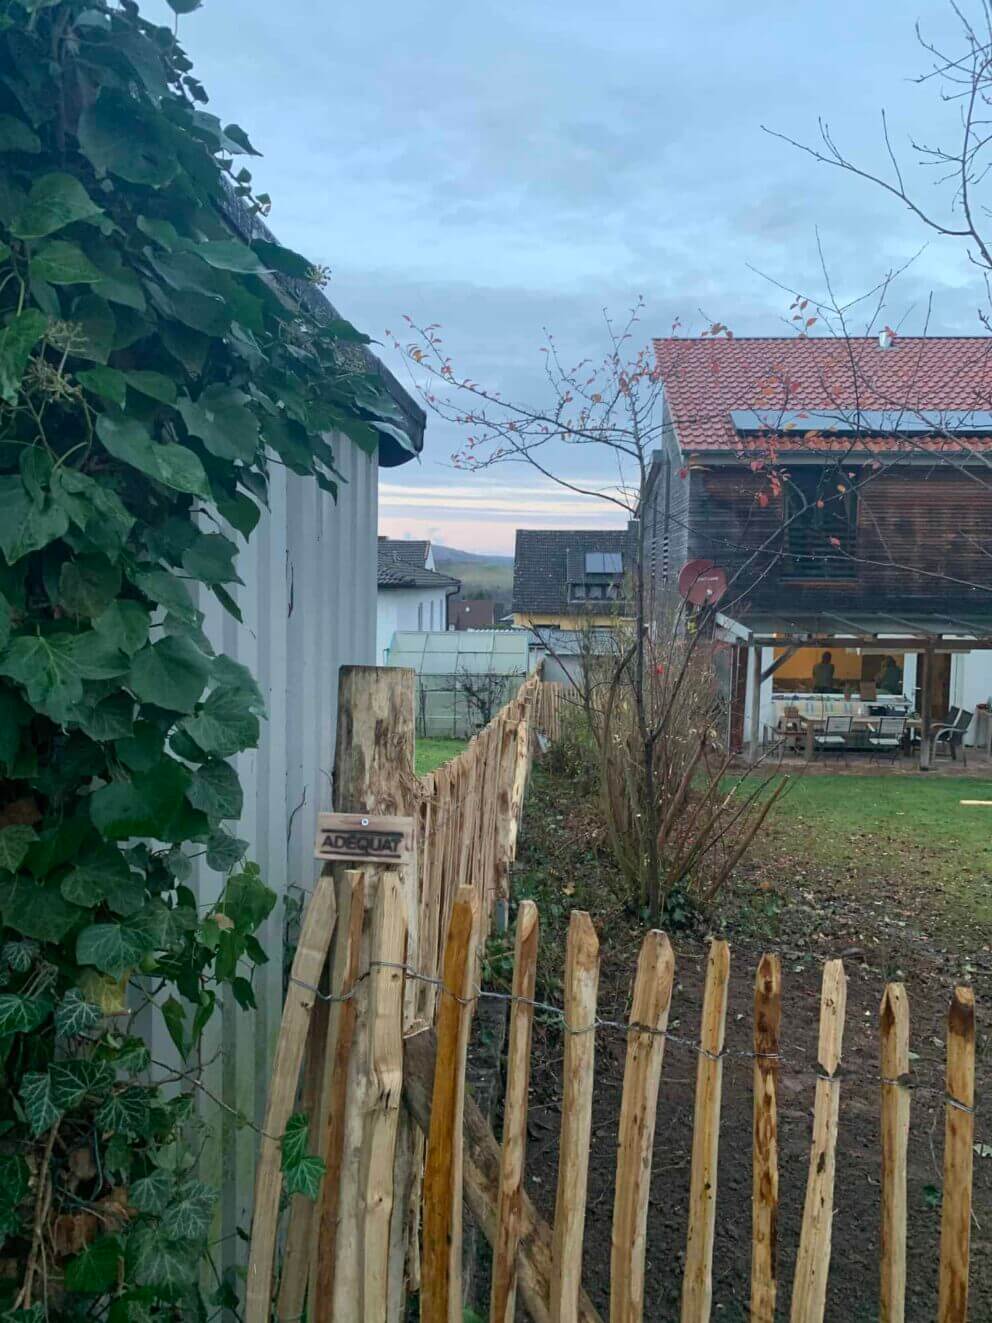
(890, 873)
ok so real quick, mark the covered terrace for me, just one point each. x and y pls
(801, 671)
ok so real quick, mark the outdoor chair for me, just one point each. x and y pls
(886, 740)
(949, 739)
(834, 737)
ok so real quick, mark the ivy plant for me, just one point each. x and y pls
(159, 354)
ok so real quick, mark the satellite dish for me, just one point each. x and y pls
(702, 583)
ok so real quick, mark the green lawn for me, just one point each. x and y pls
(907, 832)
(432, 753)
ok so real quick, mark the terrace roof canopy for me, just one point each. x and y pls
(969, 631)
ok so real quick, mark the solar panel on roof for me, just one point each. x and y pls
(875, 422)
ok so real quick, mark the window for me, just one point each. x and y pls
(604, 562)
(420, 615)
(432, 614)
(820, 510)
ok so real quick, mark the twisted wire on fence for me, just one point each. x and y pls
(624, 1029)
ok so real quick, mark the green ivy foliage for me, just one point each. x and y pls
(154, 365)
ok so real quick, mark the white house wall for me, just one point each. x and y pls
(308, 603)
(407, 608)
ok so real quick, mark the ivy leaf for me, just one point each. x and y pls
(119, 139)
(15, 841)
(19, 956)
(246, 899)
(237, 135)
(174, 1015)
(37, 911)
(151, 1193)
(279, 258)
(223, 422)
(63, 263)
(149, 804)
(124, 624)
(15, 136)
(26, 524)
(94, 1271)
(75, 1015)
(107, 382)
(224, 851)
(97, 325)
(189, 1216)
(211, 559)
(302, 1172)
(171, 464)
(18, 338)
(76, 1079)
(88, 584)
(20, 1015)
(125, 1113)
(231, 255)
(171, 674)
(36, 1099)
(112, 948)
(216, 790)
(168, 591)
(55, 200)
(105, 875)
(225, 724)
(52, 668)
(169, 1267)
(93, 507)
(154, 384)
(110, 719)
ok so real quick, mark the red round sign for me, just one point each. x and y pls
(702, 583)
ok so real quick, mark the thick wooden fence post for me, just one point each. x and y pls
(809, 1293)
(697, 1283)
(581, 983)
(441, 1265)
(502, 1308)
(894, 1034)
(373, 773)
(959, 1134)
(764, 1182)
(642, 1077)
(385, 1049)
(308, 962)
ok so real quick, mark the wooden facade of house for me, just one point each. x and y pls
(846, 490)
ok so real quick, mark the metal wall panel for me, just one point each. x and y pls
(309, 607)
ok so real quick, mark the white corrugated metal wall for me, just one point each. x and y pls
(309, 607)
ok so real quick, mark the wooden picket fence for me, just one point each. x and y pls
(546, 1264)
(373, 1048)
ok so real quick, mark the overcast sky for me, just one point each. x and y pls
(500, 167)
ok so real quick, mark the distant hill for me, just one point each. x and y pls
(444, 556)
(481, 575)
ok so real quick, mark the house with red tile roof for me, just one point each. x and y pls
(844, 486)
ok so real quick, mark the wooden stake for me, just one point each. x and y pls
(697, 1282)
(502, 1308)
(581, 982)
(441, 1264)
(385, 1032)
(894, 1034)
(638, 1110)
(302, 1209)
(482, 1160)
(341, 1033)
(959, 1134)
(764, 1185)
(308, 962)
(809, 1292)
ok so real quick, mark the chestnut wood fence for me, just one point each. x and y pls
(374, 1044)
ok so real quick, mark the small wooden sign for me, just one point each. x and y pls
(364, 838)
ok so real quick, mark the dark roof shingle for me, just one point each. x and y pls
(540, 563)
(395, 572)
